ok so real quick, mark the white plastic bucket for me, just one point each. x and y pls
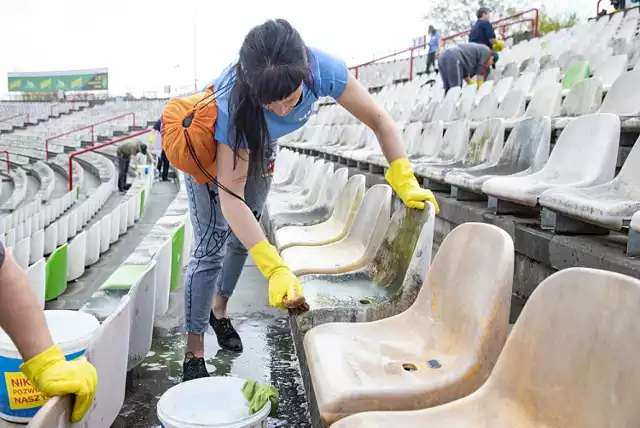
(211, 402)
(19, 400)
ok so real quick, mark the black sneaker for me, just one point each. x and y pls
(193, 368)
(228, 337)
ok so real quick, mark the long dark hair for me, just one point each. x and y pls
(274, 62)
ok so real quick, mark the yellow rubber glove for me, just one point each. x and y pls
(470, 81)
(400, 177)
(152, 138)
(480, 82)
(273, 268)
(498, 46)
(54, 376)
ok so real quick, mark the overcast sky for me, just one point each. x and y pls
(146, 44)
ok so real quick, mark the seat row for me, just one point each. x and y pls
(127, 305)
(407, 334)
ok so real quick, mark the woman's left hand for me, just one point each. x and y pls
(401, 178)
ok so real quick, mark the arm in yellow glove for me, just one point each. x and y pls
(498, 46)
(54, 376)
(22, 318)
(400, 177)
(280, 277)
(470, 81)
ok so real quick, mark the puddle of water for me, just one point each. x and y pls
(268, 357)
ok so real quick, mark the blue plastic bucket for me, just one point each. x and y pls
(19, 400)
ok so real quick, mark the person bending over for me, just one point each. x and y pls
(268, 93)
(125, 152)
(462, 62)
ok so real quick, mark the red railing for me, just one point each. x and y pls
(6, 153)
(534, 23)
(15, 116)
(99, 146)
(92, 127)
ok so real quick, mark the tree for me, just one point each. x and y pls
(549, 23)
(453, 16)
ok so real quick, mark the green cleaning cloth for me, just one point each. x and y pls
(258, 394)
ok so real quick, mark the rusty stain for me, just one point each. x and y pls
(472, 371)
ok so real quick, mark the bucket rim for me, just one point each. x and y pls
(247, 422)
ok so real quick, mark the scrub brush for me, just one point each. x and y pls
(296, 304)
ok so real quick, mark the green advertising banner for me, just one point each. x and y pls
(78, 80)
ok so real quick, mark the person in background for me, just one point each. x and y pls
(434, 40)
(22, 318)
(462, 62)
(125, 152)
(155, 139)
(482, 33)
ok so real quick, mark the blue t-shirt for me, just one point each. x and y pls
(482, 32)
(329, 78)
(433, 42)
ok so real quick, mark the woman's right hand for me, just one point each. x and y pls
(282, 282)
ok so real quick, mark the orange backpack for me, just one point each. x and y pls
(188, 134)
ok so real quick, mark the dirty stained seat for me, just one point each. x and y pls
(441, 349)
(570, 361)
(386, 286)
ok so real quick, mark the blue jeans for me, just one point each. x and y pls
(217, 257)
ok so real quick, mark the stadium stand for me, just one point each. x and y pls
(550, 140)
(567, 105)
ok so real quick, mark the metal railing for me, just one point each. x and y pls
(83, 128)
(6, 153)
(503, 24)
(99, 146)
(16, 116)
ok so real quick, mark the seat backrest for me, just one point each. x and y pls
(528, 145)
(588, 146)
(317, 186)
(576, 73)
(468, 288)
(571, 358)
(143, 299)
(525, 82)
(430, 141)
(331, 188)
(612, 69)
(513, 105)
(411, 135)
(403, 242)
(584, 97)
(629, 175)
(372, 218)
(486, 143)
(455, 140)
(108, 351)
(56, 269)
(485, 109)
(511, 70)
(502, 88)
(446, 109)
(465, 103)
(349, 199)
(485, 89)
(623, 99)
(545, 102)
(550, 76)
